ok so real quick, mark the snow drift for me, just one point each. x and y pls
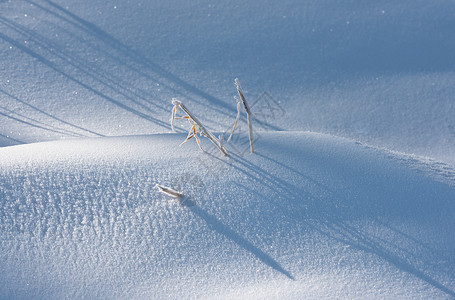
(308, 215)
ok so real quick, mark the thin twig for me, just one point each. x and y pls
(169, 191)
(236, 121)
(248, 113)
(205, 132)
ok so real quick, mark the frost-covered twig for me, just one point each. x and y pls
(248, 113)
(168, 191)
(193, 132)
(236, 120)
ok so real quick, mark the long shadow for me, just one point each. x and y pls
(126, 56)
(330, 221)
(77, 63)
(119, 82)
(51, 65)
(18, 142)
(268, 181)
(261, 176)
(51, 116)
(121, 58)
(406, 236)
(223, 229)
(36, 123)
(29, 124)
(134, 56)
(359, 240)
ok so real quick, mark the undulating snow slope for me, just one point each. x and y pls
(85, 102)
(380, 72)
(307, 216)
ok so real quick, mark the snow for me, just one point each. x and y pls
(350, 193)
(378, 72)
(308, 215)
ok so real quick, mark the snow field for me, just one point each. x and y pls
(308, 215)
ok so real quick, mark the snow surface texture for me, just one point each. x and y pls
(307, 216)
(379, 72)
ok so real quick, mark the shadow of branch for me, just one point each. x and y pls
(134, 56)
(223, 229)
(330, 220)
(360, 240)
(54, 67)
(15, 141)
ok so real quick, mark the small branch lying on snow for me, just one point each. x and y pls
(168, 191)
(248, 114)
(193, 131)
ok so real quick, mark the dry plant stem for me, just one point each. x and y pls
(236, 121)
(168, 191)
(250, 132)
(204, 131)
(174, 110)
(248, 114)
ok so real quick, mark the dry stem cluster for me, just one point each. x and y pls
(197, 127)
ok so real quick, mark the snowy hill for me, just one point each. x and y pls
(308, 215)
(351, 191)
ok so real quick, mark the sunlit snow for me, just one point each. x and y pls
(350, 193)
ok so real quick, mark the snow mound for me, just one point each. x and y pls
(307, 216)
